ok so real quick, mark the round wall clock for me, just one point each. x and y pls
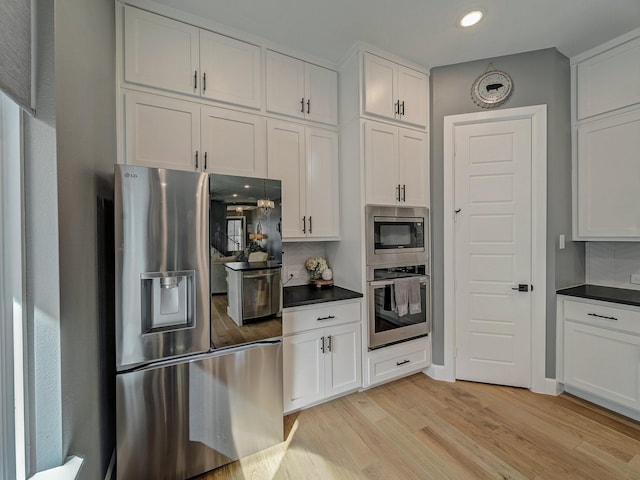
(491, 89)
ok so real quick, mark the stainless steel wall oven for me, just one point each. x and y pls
(398, 274)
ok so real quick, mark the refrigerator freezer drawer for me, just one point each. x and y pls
(180, 420)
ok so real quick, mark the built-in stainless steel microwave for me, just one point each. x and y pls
(397, 235)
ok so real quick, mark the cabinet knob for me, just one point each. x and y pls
(196, 159)
(205, 160)
(322, 344)
(204, 82)
(195, 80)
(402, 113)
(304, 224)
(302, 105)
(329, 343)
(308, 106)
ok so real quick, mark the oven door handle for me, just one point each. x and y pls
(383, 283)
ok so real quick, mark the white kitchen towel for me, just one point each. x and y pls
(415, 305)
(401, 289)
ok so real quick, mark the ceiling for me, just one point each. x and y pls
(423, 31)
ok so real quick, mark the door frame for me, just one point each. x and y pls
(538, 116)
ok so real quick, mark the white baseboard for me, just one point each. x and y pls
(628, 412)
(68, 471)
(550, 386)
(439, 372)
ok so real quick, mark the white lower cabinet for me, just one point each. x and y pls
(600, 351)
(397, 361)
(322, 362)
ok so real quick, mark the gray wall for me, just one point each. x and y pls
(41, 251)
(86, 152)
(540, 77)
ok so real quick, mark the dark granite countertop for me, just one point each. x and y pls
(623, 296)
(245, 266)
(310, 294)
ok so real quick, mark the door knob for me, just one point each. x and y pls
(522, 287)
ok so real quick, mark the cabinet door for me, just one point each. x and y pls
(285, 85)
(321, 94)
(608, 173)
(161, 132)
(230, 70)
(322, 186)
(303, 361)
(381, 164)
(602, 362)
(609, 80)
(413, 162)
(159, 52)
(412, 93)
(343, 369)
(380, 90)
(286, 162)
(233, 142)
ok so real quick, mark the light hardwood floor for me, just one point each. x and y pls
(419, 428)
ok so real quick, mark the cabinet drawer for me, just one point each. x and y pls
(603, 315)
(399, 360)
(300, 319)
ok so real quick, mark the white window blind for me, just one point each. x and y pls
(15, 51)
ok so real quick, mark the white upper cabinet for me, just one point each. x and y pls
(165, 132)
(160, 52)
(606, 141)
(174, 56)
(305, 159)
(233, 142)
(394, 91)
(230, 70)
(299, 89)
(396, 165)
(609, 177)
(609, 80)
(161, 132)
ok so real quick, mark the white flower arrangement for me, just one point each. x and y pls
(316, 265)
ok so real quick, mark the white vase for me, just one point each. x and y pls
(327, 274)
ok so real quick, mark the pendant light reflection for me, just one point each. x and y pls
(265, 204)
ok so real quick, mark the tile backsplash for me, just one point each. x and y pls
(294, 256)
(612, 263)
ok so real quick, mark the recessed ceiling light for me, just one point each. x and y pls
(247, 186)
(471, 18)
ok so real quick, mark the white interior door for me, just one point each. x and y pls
(493, 251)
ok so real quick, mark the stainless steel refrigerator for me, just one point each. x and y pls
(194, 391)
